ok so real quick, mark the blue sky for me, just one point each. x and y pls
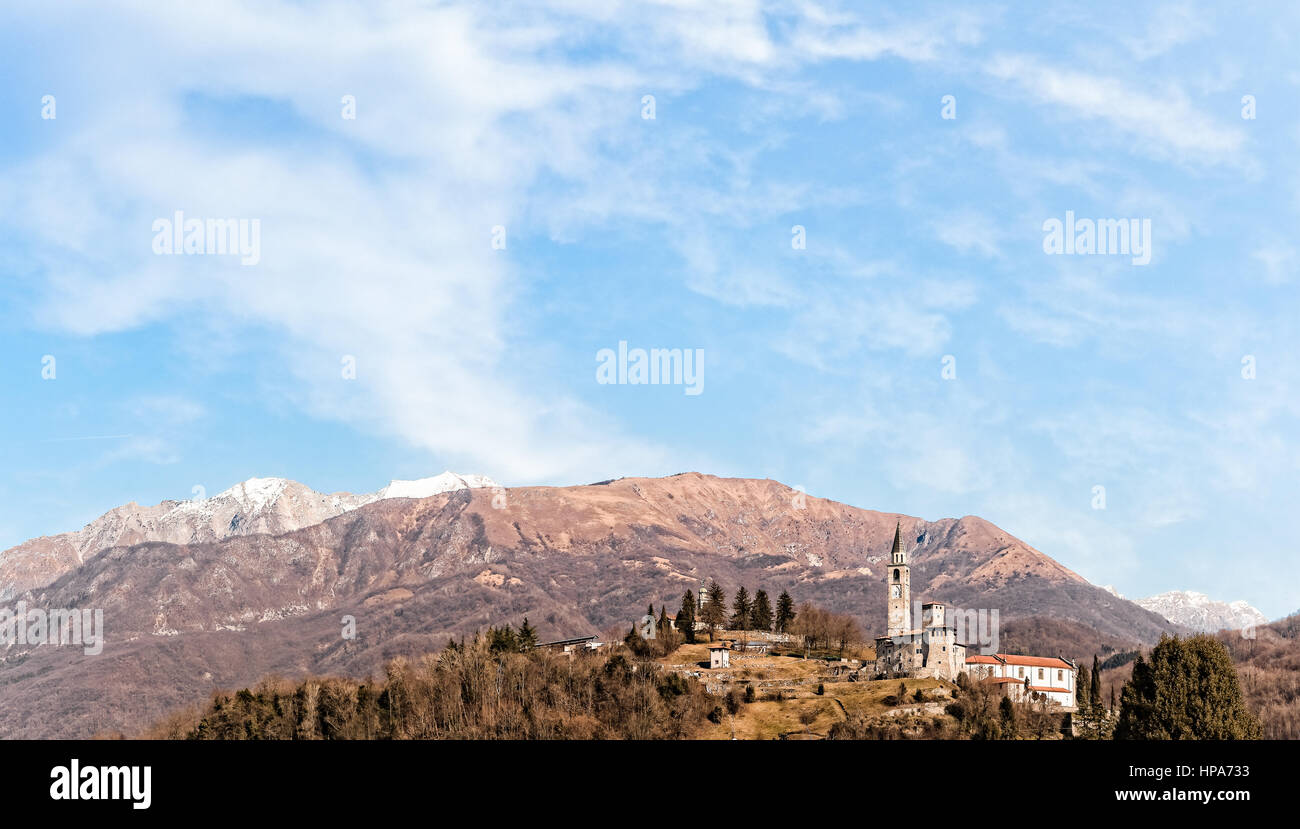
(822, 365)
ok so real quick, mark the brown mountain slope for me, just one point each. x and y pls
(182, 619)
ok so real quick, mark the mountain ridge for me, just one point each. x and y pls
(185, 618)
(1202, 613)
(256, 505)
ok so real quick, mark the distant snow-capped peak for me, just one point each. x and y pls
(256, 494)
(426, 487)
(258, 505)
(1202, 613)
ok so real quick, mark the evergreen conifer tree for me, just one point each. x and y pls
(1007, 715)
(1187, 690)
(714, 612)
(1094, 692)
(527, 636)
(686, 617)
(740, 610)
(784, 612)
(760, 614)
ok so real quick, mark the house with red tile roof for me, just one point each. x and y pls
(1024, 676)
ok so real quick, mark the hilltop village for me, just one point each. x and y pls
(915, 668)
(932, 649)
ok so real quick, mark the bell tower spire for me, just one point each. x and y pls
(900, 587)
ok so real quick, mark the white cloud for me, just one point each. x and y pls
(1171, 25)
(166, 409)
(389, 263)
(970, 232)
(141, 449)
(1164, 120)
(375, 232)
(826, 34)
(1278, 260)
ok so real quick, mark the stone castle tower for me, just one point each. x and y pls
(900, 588)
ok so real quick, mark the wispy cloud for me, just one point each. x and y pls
(1165, 121)
(923, 239)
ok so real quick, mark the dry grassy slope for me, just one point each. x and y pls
(801, 713)
(575, 559)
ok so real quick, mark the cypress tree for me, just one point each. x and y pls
(1095, 691)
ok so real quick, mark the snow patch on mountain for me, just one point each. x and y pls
(1202, 613)
(256, 493)
(257, 505)
(426, 487)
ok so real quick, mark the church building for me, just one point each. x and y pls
(1051, 677)
(928, 649)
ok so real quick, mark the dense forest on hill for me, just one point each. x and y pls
(1269, 668)
(467, 691)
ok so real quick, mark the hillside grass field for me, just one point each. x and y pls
(786, 703)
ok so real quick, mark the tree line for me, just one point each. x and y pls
(1184, 689)
(484, 688)
(748, 613)
(815, 628)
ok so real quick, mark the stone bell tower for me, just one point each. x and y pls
(900, 588)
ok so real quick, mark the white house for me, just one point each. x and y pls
(720, 655)
(1023, 676)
